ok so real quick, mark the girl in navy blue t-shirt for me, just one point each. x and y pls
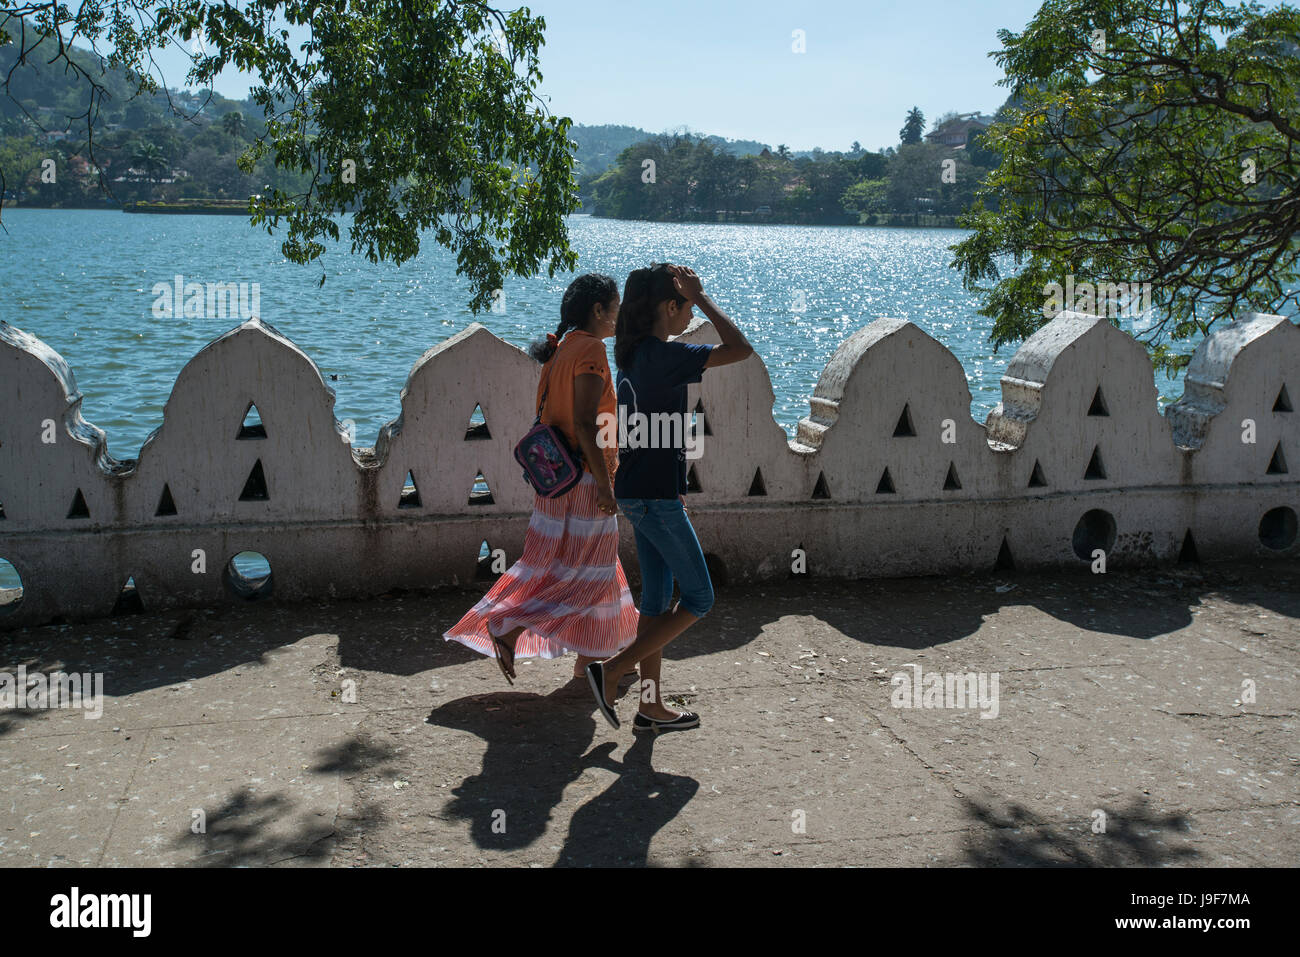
(651, 478)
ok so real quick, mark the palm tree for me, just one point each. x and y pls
(148, 158)
(233, 124)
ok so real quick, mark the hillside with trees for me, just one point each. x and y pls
(674, 178)
(169, 144)
(155, 146)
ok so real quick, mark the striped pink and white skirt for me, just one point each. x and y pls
(567, 590)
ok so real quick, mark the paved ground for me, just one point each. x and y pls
(1120, 696)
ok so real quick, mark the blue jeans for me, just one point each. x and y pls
(667, 548)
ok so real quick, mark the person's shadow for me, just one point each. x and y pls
(534, 751)
(614, 829)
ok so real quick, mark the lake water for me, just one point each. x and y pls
(82, 281)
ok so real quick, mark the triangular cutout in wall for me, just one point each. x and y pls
(78, 509)
(410, 497)
(129, 601)
(951, 483)
(1004, 561)
(886, 484)
(693, 481)
(1098, 406)
(1095, 469)
(821, 490)
(1277, 464)
(757, 486)
(699, 410)
(1036, 478)
(481, 493)
(165, 504)
(904, 427)
(252, 427)
(1283, 401)
(478, 427)
(255, 486)
(1187, 554)
(483, 571)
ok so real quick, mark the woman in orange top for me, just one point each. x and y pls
(567, 592)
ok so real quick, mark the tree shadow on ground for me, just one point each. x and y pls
(1136, 836)
(260, 830)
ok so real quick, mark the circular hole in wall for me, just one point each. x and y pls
(1096, 529)
(248, 575)
(717, 569)
(1277, 529)
(11, 587)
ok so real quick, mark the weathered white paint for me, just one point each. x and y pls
(331, 524)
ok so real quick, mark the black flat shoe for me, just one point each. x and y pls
(596, 678)
(683, 722)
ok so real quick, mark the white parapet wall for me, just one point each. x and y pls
(889, 475)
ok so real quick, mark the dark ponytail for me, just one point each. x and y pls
(585, 292)
(642, 293)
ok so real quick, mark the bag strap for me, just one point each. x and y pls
(546, 374)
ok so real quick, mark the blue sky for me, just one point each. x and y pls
(727, 66)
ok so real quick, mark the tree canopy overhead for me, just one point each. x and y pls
(1147, 141)
(411, 114)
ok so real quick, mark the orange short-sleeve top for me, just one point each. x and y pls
(579, 353)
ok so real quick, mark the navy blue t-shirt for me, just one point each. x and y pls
(652, 449)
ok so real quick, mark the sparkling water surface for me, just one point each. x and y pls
(82, 281)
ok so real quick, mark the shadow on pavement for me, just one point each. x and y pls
(1133, 837)
(402, 635)
(536, 748)
(615, 828)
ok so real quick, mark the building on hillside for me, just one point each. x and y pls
(956, 132)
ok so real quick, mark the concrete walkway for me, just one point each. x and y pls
(1123, 700)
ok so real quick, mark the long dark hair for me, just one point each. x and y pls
(586, 291)
(642, 293)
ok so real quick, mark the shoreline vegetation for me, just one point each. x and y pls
(202, 206)
(927, 180)
(240, 207)
(889, 220)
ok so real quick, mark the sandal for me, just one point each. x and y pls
(683, 722)
(596, 678)
(508, 671)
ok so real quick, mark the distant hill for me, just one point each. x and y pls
(599, 146)
(50, 96)
(57, 98)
